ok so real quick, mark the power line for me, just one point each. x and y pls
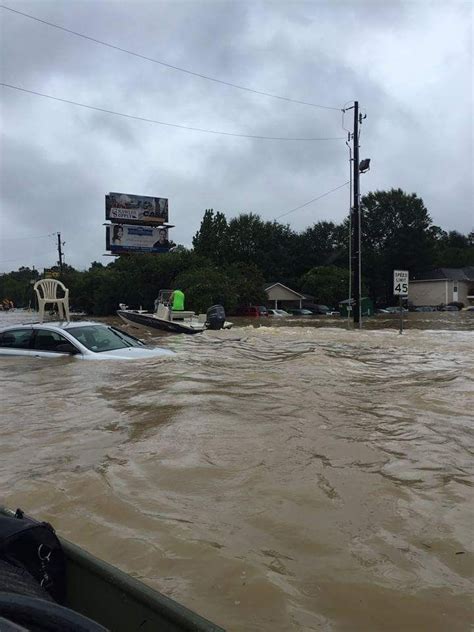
(166, 65)
(313, 200)
(147, 120)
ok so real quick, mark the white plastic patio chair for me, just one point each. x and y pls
(47, 293)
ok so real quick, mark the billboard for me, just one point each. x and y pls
(121, 238)
(50, 274)
(122, 207)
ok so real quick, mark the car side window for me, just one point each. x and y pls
(48, 340)
(16, 339)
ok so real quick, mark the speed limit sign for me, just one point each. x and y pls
(400, 282)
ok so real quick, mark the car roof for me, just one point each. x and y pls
(54, 325)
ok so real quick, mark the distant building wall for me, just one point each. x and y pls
(465, 289)
(279, 293)
(440, 291)
(430, 292)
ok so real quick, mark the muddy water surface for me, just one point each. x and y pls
(289, 477)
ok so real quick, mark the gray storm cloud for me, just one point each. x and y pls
(409, 65)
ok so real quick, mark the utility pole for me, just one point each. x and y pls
(356, 254)
(60, 253)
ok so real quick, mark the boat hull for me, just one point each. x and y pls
(119, 602)
(150, 321)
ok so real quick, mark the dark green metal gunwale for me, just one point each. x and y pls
(120, 602)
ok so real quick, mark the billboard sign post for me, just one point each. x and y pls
(400, 289)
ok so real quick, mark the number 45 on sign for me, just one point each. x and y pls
(400, 282)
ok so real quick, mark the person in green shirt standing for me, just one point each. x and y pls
(177, 301)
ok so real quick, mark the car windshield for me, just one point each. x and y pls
(99, 338)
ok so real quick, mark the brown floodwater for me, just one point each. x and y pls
(294, 475)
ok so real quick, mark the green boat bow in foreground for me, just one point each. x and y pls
(119, 602)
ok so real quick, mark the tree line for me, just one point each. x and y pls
(231, 260)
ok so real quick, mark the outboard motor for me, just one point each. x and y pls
(215, 317)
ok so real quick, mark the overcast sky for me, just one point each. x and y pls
(408, 64)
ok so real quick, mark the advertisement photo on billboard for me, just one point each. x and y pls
(131, 238)
(124, 207)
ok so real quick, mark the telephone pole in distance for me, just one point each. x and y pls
(60, 254)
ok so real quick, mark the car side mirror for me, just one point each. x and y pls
(67, 347)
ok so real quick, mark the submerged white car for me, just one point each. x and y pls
(84, 340)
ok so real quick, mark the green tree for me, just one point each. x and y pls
(248, 283)
(396, 234)
(211, 239)
(454, 250)
(323, 244)
(328, 284)
(17, 286)
(246, 237)
(147, 274)
(206, 286)
(268, 245)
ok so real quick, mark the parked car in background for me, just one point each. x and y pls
(317, 309)
(84, 340)
(300, 312)
(425, 308)
(469, 308)
(250, 311)
(278, 312)
(321, 309)
(382, 310)
(394, 310)
(449, 308)
(263, 311)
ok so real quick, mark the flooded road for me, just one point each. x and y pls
(292, 476)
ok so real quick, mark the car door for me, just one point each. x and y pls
(16, 342)
(47, 343)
